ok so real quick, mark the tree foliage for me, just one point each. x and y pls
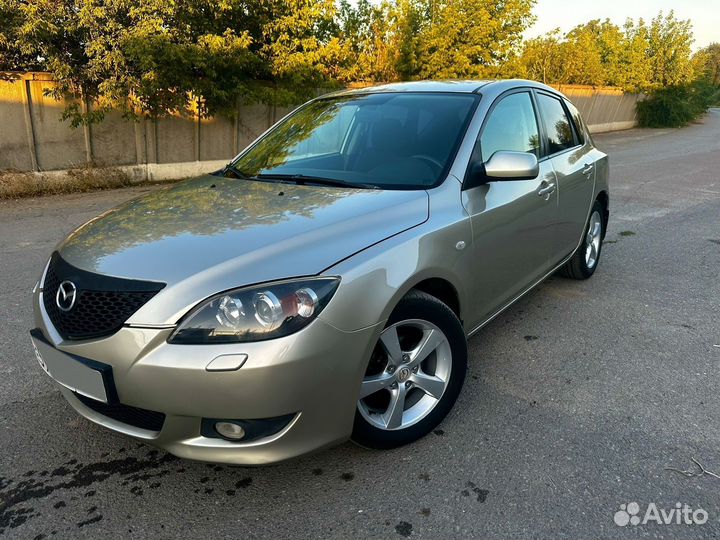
(159, 57)
(472, 38)
(669, 50)
(707, 63)
(379, 40)
(677, 105)
(432, 39)
(638, 56)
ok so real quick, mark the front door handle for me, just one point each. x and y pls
(588, 168)
(546, 190)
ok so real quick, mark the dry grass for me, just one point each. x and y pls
(18, 185)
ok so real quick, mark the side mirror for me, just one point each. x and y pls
(503, 165)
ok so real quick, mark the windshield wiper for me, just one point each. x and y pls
(230, 168)
(303, 179)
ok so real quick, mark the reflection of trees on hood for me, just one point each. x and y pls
(194, 207)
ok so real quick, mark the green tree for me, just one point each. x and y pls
(361, 29)
(583, 56)
(610, 39)
(542, 58)
(13, 57)
(587, 54)
(636, 57)
(381, 39)
(378, 56)
(472, 38)
(633, 72)
(707, 62)
(669, 50)
(410, 18)
(298, 41)
(158, 57)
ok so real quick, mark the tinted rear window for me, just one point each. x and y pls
(557, 124)
(577, 120)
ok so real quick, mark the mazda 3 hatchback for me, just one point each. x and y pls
(322, 286)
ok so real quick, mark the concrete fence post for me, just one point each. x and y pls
(141, 151)
(196, 150)
(155, 141)
(236, 128)
(140, 141)
(87, 135)
(29, 128)
(619, 103)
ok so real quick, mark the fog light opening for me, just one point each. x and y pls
(230, 430)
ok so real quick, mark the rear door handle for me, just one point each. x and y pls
(588, 168)
(547, 190)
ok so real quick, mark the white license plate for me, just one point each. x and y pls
(70, 371)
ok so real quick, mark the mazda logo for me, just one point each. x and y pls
(66, 295)
(403, 374)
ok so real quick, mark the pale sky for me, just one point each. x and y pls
(704, 14)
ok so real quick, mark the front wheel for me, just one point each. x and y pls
(414, 375)
(584, 261)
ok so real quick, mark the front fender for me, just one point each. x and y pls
(374, 280)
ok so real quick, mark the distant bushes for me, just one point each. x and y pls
(675, 106)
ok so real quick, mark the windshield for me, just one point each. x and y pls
(390, 141)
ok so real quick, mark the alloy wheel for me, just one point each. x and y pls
(407, 375)
(592, 239)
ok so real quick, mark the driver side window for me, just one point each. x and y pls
(511, 126)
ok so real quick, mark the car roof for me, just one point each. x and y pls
(452, 86)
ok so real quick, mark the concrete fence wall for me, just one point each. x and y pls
(603, 108)
(33, 138)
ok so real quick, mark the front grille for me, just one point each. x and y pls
(132, 416)
(102, 304)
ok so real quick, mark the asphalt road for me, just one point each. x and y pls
(577, 400)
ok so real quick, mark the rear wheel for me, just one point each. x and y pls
(583, 263)
(414, 375)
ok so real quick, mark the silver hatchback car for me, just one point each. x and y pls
(322, 286)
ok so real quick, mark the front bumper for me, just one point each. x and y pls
(313, 375)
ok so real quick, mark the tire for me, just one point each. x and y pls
(426, 380)
(585, 260)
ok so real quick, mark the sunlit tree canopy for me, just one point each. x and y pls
(160, 57)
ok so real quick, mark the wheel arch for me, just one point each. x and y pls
(376, 280)
(443, 290)
(435, 283)
(604, 199)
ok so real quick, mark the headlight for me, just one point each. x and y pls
(256, 313)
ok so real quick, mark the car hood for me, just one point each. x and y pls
(210, 234)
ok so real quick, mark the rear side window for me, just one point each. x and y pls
(557, 124)
(575, 114)
(511, 126)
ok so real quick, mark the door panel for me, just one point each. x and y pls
(513, 222)
(575, 173)
(513, 238)
(571, 158)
